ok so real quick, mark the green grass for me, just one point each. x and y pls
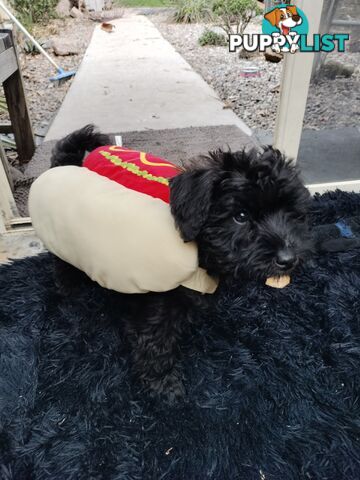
(144, 3)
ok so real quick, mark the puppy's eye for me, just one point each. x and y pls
(241, 217)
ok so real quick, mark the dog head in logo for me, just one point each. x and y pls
(284, 18)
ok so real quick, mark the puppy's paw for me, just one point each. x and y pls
(170, 387)
(67, 279)
(63, 287)
(175, 392)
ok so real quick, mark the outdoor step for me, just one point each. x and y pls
(176, 145)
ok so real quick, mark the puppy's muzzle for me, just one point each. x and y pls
(286, 259)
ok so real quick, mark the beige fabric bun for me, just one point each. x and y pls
(122, 239)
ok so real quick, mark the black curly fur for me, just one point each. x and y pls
(71, 149)
(207, 197)
(208, 201)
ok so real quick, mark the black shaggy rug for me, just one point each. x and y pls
(272, 379)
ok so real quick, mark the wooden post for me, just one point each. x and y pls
(3, 16)
(8, 209)
(6, 166)
(19, 113)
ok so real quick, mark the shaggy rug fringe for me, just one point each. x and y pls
(272, 380)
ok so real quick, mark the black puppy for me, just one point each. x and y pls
(247, 213)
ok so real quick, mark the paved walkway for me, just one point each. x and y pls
(134, 80)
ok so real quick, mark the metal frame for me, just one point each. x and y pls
(325, 27)
(346, 186)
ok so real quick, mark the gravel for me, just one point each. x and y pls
(331, 103)
(252, 99)
(44, 97)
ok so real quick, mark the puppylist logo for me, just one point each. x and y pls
(286, 29)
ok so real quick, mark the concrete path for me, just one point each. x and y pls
(134, 80)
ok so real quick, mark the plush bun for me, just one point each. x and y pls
(123, 239)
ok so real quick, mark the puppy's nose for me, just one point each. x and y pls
(286, 259)
(296, 18)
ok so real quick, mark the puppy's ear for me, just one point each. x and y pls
(292, 9)
(295, 15)
(190, 199)
(272, 17)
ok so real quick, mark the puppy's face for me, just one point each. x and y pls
(246, 211)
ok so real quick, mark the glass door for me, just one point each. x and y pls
(319, 113)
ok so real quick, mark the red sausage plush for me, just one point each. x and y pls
(138, 171)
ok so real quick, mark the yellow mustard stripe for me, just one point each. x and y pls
(144, 160)
(117, 148)
(131, 167)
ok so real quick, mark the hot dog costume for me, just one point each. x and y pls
(111, 219)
